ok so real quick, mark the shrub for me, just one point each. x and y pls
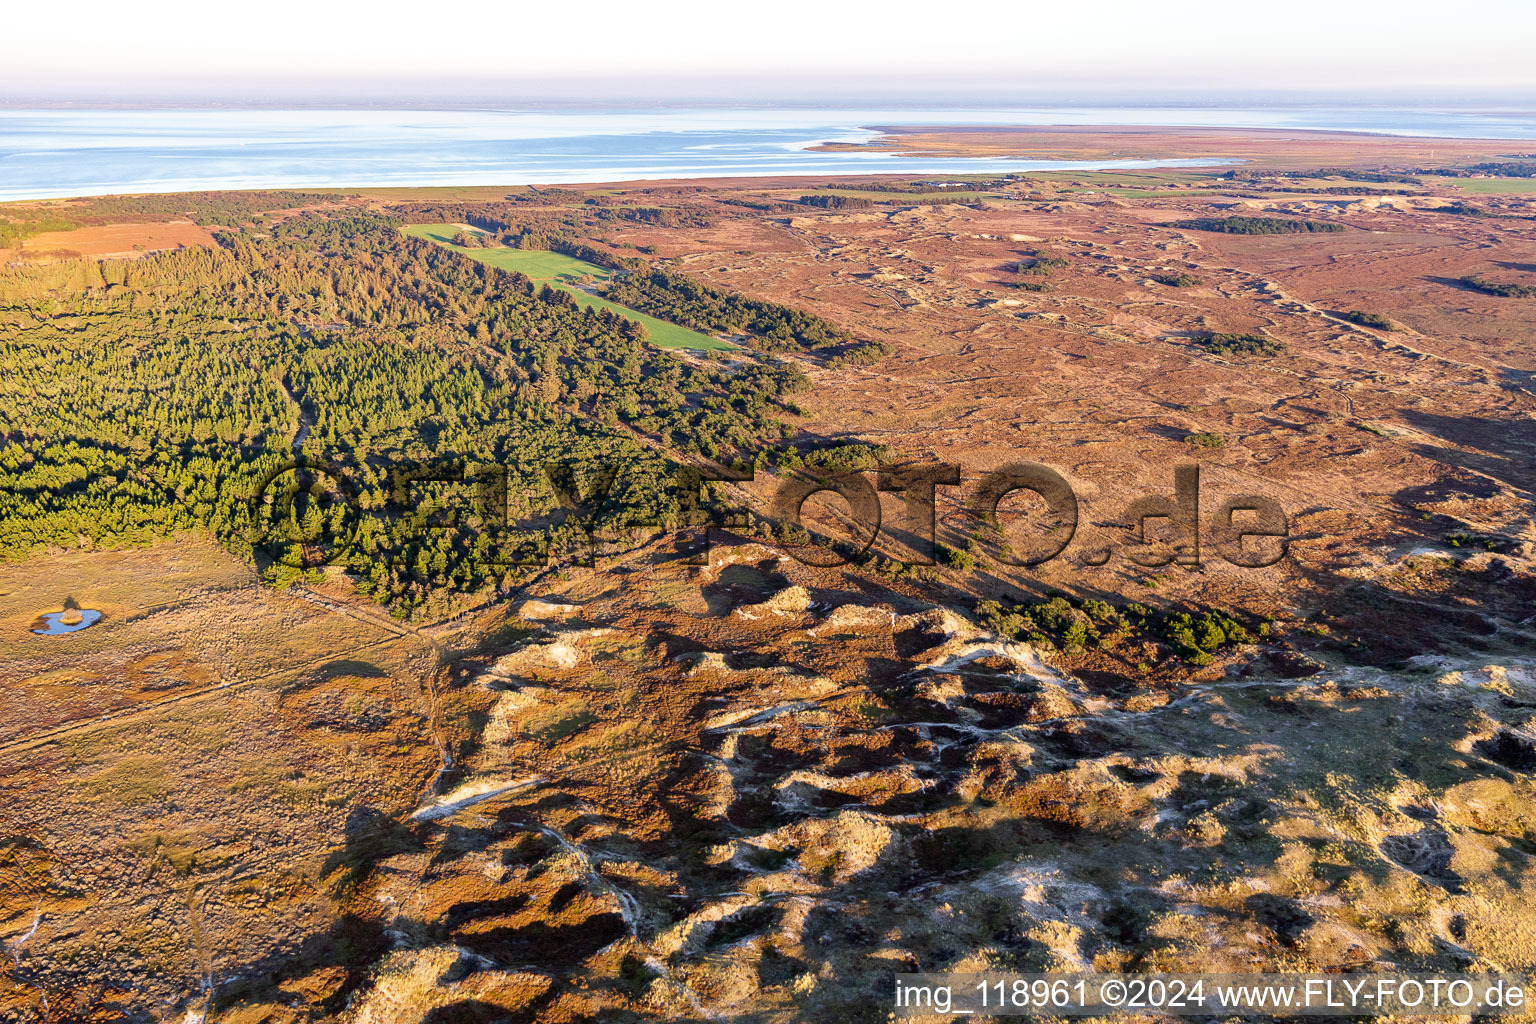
(1074, 637)
(833, 202)
(1099, 611)
(1364, 319)
(1500, 288)
(1041, 266)
(1256, 225)
(1241, 345)
(1069, 627)
(1177, 280)
(846, 456)
(954, 558)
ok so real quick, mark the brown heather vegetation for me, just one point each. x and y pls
(751, 789)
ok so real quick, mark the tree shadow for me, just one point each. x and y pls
(742, 584)
(370, 836)
(348, 667)
(1504, 449)
(475, 1011)
(1519, 380)
(348, 950)
(1452, 282)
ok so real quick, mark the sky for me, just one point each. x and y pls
(1008, 50)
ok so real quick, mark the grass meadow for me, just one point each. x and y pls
(561, 271)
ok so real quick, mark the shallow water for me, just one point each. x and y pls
(54, 624)
(45, 153)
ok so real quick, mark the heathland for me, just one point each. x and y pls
(629, 781)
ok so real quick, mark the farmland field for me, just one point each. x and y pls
(662, 334)
(559, 270)
(540, 265)
(937, 196)
(1490, 186)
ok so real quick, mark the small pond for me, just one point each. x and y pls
(73, 621)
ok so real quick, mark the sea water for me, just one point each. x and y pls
(56, 153)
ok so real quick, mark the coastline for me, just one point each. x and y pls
(1260, 148)
(81, 153)
(899, 165)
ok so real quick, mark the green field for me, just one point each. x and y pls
(537, 264)
(562, 271)
(663, 334)
(947, 196)
(1131, 177)
(461, 193)
(1494, 185)
(1143, 193)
